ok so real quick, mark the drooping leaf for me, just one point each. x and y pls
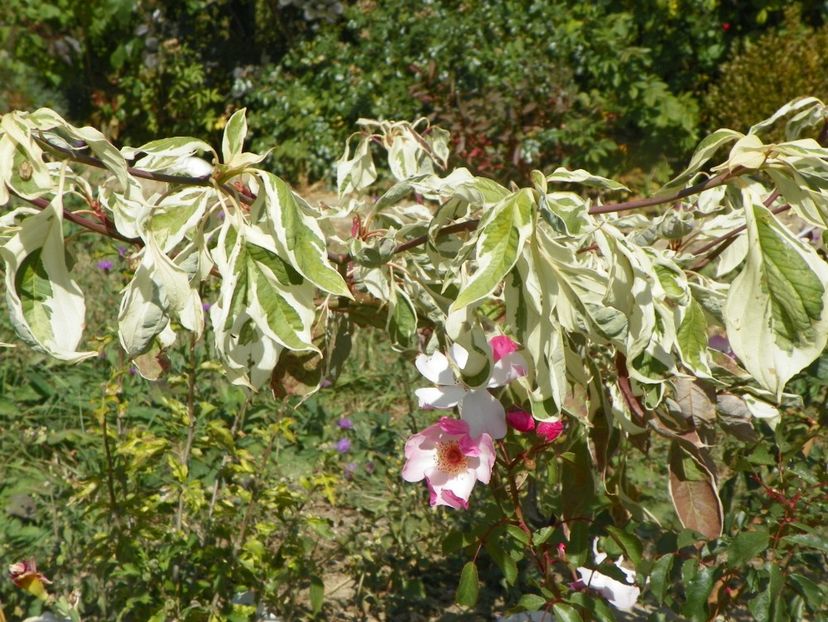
(46, 305)
(467, 589)
(775, 311)
(694, 493)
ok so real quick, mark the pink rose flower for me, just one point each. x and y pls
(520, 420)
(449, 460)
(501, 346)
(549, 431)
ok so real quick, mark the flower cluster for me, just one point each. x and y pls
(452, 455)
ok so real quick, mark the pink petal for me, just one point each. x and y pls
(435, 367)
(459, 485)
(483, 413)
(550, 430)
(440, 397)
(486, 459)
(454, 501)
(520, 420)
(457, 427)
(501, 346)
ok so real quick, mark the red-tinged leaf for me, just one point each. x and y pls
(694, 493)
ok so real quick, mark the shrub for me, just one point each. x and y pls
(520, 85)
(777, 66)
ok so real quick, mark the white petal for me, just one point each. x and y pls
(440, 397)
(435, 367)
(510, 367)
(620, 595)
(459, 355)
(483, 413)
(460, 484)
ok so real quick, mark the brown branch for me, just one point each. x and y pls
(725, 240)
(718, 180)
(465, 225)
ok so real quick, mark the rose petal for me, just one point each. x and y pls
(501, 346)
(483, 413)
(456, 427)
(436, 368)
(509, 368)
(440, 397)
(520, 420)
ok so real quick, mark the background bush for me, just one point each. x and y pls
(777, 66)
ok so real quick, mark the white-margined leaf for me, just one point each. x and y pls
(692, 339)
(46, 306)
(705, 151)
(176, 216)
(141, 316)
(48, 120)
(298, 235)
(356, 173)
(775, 312)
(502, 233)
(585, 178)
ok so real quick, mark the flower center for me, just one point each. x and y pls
(450, 458)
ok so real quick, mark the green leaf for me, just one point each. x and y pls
(566, 613)
(317, 594)
(518, 534)
(746, 546)
(467, 589)
(692, 338)
(628, 542)
(775, 311)
(660, 576)
(299, 235)
(531, 602)
(502, 233)
(813, 593)
(697, 593)
(808, 540)
(402, 319)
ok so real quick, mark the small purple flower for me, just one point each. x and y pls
(722, 344)
(369, 467)
(350, 470)
(122, 251)
(106, 265)
(206, 305)
(343, 445)
(345, 424)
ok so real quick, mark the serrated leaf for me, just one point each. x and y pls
(531, 602)
(467, 589)
(566, 613)
(775, 311)
(660, 576)
(628, 542)
(502, 235)
(746, 546)
(694, 493)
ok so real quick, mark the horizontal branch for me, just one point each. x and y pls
(720, 179)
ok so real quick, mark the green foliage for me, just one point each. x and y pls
(771, 69)
(519, 86)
